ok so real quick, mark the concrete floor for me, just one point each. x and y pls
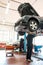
(18, 59)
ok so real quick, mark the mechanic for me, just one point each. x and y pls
(25, 9)
(30, 37)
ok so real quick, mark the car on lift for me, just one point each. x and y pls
(30, 19)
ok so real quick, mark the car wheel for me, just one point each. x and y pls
(21, 33)
(33, 25)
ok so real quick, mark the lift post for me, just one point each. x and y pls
(25, 42)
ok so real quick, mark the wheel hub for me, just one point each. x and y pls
(33, 25)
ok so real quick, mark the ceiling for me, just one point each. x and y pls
(8, 10)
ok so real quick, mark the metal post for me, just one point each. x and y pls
(25, 42)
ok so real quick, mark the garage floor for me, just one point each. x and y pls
(18, 59)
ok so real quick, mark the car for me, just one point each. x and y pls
(30, 19)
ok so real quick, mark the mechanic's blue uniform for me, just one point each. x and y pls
(29, 45)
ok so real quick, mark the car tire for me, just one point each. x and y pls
(33, 25)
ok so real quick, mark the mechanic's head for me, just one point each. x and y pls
(24, 9)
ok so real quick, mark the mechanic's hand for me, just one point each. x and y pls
(31, 32)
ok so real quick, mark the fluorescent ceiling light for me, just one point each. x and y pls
(7, 8)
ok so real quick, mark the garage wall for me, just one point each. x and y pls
(38, 40)
(7, 34)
